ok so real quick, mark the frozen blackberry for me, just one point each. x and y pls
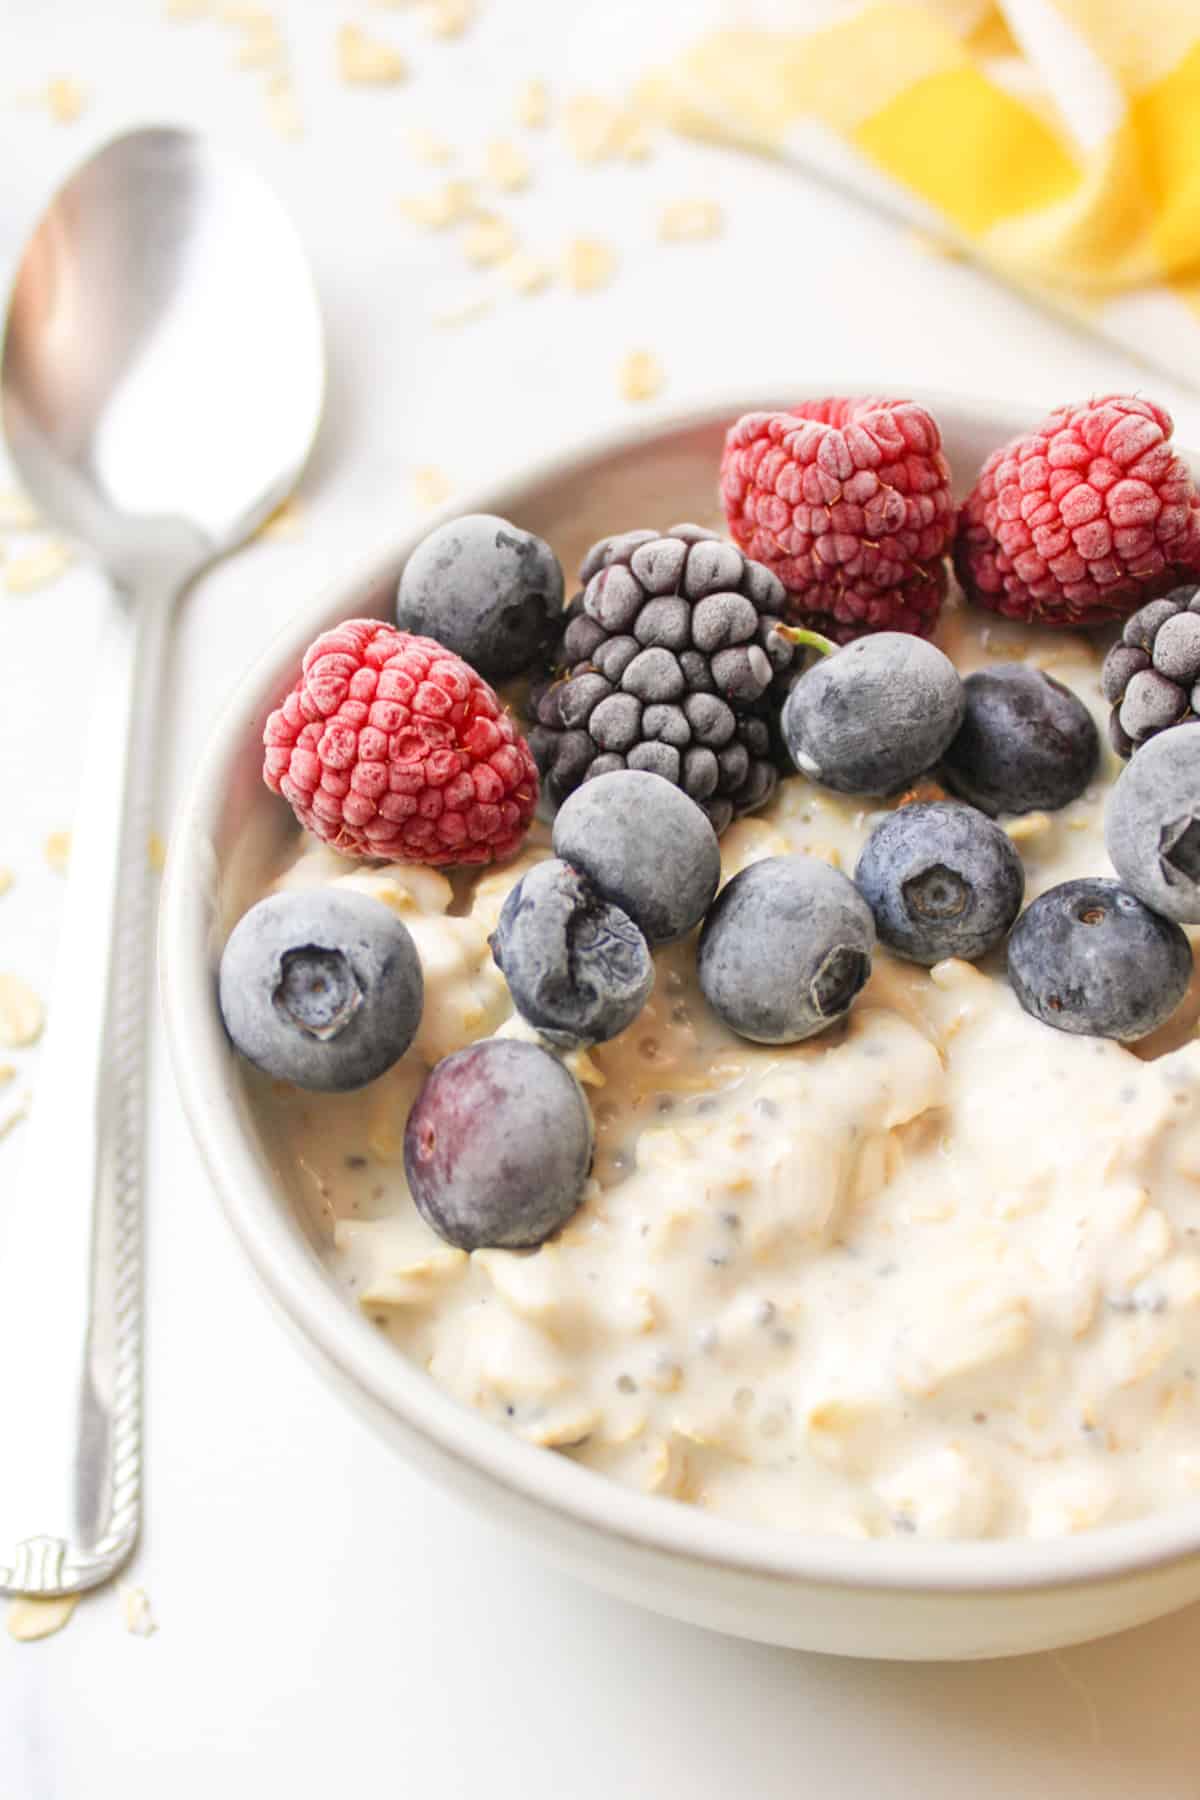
(1151, 676)
(667, 663)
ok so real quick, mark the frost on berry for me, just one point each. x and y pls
(390, 747)
(1083, 520)
(848, 503)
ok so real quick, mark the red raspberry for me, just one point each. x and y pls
(1082, 521)
(848, 501)
(390, 746)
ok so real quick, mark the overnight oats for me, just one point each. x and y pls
(754, 1052)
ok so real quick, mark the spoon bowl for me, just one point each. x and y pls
(160, 387)
(163, 368)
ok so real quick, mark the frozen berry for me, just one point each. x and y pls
(1152, 824)
(498, 1146)
(671, 649)
(485, 589)
(577, 967)
(643, 845)
(848, 503)
(1088, 957)
(1026, 743)
(321, 987)
(871, 718)
(941, 880)
(1151, 675)
(785, 949)
(390, 746)
(1083, 519)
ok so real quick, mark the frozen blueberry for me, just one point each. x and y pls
(645, 846)
(785, 949)
(1026, 743)
(498, 1146)
(489, 591)
(321, 987)
(1152, 824)
(1088, 957)
(577, 967)
(941, 880)
(871, 718)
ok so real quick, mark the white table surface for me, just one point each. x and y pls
(327, 1620)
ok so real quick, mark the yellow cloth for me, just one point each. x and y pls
(1058, 141)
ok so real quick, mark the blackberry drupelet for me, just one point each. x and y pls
(1151, 675)
(667, 663)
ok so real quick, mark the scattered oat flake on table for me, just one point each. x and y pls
(30, 1619)
(688, 221)
(283, 109)
(589, 264)
(462, 312)
(533, 104)
(431, 486)
(450, 18)
(22, 1014)
(526, 274)
(57, 850)
(65, 98)
(188, 9)
(139, 1619)
(284, 523)
(450, 204)
(6, 880)
(598, 130)
(11, 1119)
(156, 853)
(489, 240)
(429, 148)
(363, 59)
(7, 1072)
(261, 47)
(38, 567)
(506, 165)
(17, 511)
(640, 376)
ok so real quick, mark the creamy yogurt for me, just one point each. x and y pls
(934, 1272)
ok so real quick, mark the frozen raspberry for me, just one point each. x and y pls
(390, 746)
(1082, 521)
(848, 502)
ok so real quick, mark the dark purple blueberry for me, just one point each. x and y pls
(321, 987)
(1088, 957)
(1152, 824)
(785, 949)
(941, 880)
(645, 846)
(577, 967)
(1026, 743)
(489, 591)
(872, 717)
(498, 1146)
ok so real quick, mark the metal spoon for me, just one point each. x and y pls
(162, 380)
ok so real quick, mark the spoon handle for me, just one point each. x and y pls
(71, 1234)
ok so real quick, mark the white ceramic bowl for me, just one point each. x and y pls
(895, 1599)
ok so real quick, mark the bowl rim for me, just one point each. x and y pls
(285, 1263)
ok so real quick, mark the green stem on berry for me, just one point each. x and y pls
(812, 640)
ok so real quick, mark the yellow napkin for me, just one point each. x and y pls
(1058, 141)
